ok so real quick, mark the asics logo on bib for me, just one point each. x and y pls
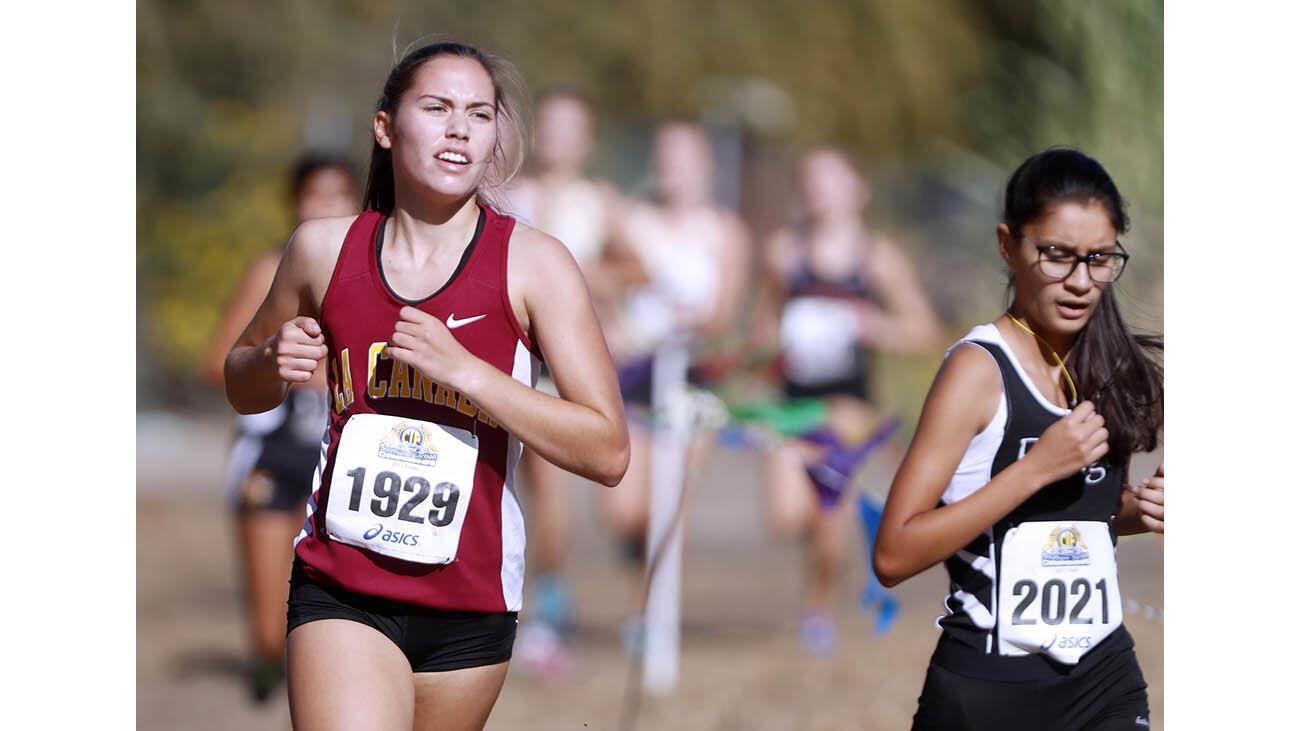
(391, 536)
(1091, 475)
(453, 323)
(1082, 642)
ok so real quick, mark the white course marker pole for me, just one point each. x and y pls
(667, 481)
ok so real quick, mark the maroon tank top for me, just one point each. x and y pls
(358, 314)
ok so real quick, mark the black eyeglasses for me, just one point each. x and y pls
(1057, 263)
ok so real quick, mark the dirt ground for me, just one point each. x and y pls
(741, 664)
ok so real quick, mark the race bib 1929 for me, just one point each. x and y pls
(401, 487)
(1058, 591)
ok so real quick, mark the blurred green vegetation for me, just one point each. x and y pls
(939, 98)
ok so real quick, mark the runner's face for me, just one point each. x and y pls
(563, 134)
(1059, 307)
(683, 164)
(326, 192)
(830, 187)
(445, 129)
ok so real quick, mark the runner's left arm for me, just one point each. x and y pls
(907, 322)
(584, 430)
(734, 271)
(239, 310)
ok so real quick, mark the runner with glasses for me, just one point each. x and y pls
(1018, 487)
(1058, 262)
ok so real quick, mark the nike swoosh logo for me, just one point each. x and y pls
(453, 323)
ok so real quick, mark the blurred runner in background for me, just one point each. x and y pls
(559, 199)
(275, 453)
(838, 290)
(684, 260)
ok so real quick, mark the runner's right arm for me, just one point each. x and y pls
(283, 344)
(914, 534)
(907, 322)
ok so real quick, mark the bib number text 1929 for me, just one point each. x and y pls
(387, 489)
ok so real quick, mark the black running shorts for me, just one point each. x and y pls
(1109, 697)
(280, 479)
(432, 640)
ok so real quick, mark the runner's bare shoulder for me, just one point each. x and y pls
(969, 384)
(313, 250)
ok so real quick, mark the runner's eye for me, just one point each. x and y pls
(1057, 254)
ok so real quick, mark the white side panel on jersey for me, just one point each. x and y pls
(974, 472)
(976, 466)
(316, 478)
(526, 369)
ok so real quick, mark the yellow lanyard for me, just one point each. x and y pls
(1074, 395)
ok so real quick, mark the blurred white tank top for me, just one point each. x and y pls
(682, 261)
(574, 213)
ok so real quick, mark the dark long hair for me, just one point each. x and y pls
(1113, 367)
(507, 156)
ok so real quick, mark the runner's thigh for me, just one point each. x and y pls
(457, 700)
(346, 675)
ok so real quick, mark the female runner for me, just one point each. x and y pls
(840, 289)
(274, 454)
(1015, 478)
(561, 199)
(431, 309)
(692, 256)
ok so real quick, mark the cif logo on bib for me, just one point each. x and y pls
(1065, 547)
(409, 443)
(1091, 475)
